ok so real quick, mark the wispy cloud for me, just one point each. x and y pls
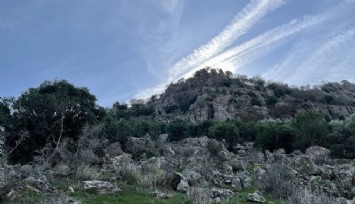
(256, 47)
(214, 53)
(158, 33)
(326, 56)
(247, 18)
(241, 23)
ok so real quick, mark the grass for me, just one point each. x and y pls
(128, 196)
(240, 197)
(26, 197)
(133, 195)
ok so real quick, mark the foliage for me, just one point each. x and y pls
(312, 129)
(225, 130)
(52, 111)
(5, 113)
(271, 100)
(119, 130)
(170, 108)
(273, 135)
(279, 89)
(178, 129)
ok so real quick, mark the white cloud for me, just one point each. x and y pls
(248, 17)
(241, 23)
(212, 55)
(326, 58)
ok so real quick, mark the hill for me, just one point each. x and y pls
(213, 94)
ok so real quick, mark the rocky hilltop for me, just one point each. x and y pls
(214, 94)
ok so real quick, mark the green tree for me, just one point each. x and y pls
(312, 129)
(178, 129)
(273, 135)
(5, 113)
(227, 130)
(53, 111)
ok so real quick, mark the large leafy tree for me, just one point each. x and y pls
(47, 114)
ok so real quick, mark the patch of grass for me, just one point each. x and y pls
(128, 196)
(26, 197)
(240, 197)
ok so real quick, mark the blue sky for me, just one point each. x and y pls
(122, 49)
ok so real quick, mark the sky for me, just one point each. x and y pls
(124, 49)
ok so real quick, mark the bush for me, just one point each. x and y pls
(255, 102)
(273, 135)
(86, 172)
(170, 108)
(271, 100)
(312, 129)
(178, 129)
(225, 130)
(278, 180)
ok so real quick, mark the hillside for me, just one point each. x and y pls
(213, 94)
(211, 138)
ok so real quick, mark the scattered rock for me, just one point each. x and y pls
(11, 196)
(180, 183)
(162, 195)
(305, 165)
(246, 181)
(236, 183)
(38, 185)
(98, 187)
(163, 138)
(256, 197)
(71, 189)
(218, 194)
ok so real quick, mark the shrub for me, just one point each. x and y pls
(271, 100)
(178, 129)
(303, 195)
(227, 130)
(255, 102)
(86, 172)
(312, 129)
(274, 135)
(170, 108)
(278, 180)
(214, 147)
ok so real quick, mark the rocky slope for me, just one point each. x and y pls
(202, 169)
(213, 94)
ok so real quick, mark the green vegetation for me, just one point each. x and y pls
(46, 114)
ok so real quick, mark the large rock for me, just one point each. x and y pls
(256, 197)
(319, 155)
(163, 138)
(218, 194)
(236, 184)
(122, 160)
(237, 164)
(38, 185)
(98, 187)
(305, 165)
(180, 183)
(183, 186)
(135, 144)
(194, 178)
(246, 181)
